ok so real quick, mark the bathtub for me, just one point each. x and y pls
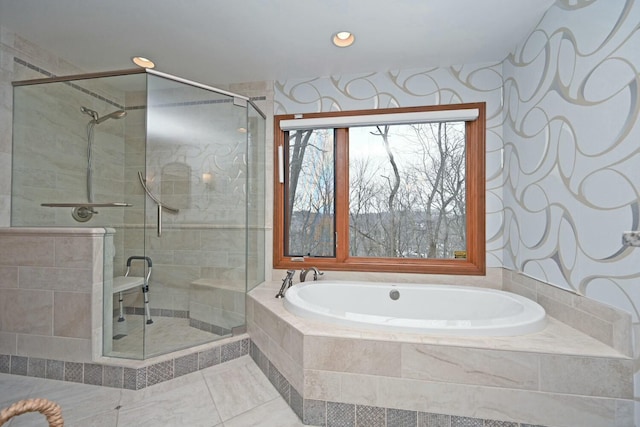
(425, 309)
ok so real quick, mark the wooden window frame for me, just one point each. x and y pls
(474, 264)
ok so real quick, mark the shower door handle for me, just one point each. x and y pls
(158, 202)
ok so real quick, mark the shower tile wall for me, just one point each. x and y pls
(12, 47)
(50, 160)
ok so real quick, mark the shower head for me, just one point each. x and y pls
(89, 112)
(118, 114)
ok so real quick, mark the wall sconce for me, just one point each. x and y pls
(207, 179)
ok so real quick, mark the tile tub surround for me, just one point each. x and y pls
(327, 413)
(558, 377)
(606, 324)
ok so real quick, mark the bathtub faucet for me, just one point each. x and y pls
(316, 273)
(286, 283)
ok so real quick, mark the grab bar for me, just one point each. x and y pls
(158, 202)
(87, 205)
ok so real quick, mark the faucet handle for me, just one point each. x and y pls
(289, 276)
(287, 282)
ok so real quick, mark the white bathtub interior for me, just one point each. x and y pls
(419, 308)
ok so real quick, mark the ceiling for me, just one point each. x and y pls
(219, 42)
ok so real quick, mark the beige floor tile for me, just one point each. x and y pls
(184, 401)
(14, 388)
(236, 392)
(105, 419)
(239, 389)
(275, 413)
(78, 401)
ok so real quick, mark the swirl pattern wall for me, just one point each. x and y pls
(572, 150)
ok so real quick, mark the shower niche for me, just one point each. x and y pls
(173, 171)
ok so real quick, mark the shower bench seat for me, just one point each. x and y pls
(218, 303)
(126, 282)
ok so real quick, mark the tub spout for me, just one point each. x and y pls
(286, 283)
(316, 273)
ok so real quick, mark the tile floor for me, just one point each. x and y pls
(155, 337)
(232, 394)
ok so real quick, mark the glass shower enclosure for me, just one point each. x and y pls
(174, 172)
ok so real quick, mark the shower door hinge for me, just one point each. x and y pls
(240, 102)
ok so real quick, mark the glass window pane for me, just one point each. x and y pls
(407, 191)
(309, 214)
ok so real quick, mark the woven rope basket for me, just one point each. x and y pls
(46, 407)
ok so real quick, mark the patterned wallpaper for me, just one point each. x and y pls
(572, 150)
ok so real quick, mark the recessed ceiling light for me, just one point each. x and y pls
(143, 62)
(343, 39)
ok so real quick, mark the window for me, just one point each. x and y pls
(391, 190)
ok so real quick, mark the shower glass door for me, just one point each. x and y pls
(196, 166)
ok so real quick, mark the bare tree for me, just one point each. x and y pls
(419, 210)
(361, 196)
(407, 202)
(394, 185)
(309, 217)
(442, 169)
(298, 142)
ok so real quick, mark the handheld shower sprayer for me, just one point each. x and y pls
(95, 120)
(115, 115)
(118, 114)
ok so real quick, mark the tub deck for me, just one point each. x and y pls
(556, 338)
(556, 377)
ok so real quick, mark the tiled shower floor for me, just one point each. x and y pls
(164, 335)
(232, 394)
